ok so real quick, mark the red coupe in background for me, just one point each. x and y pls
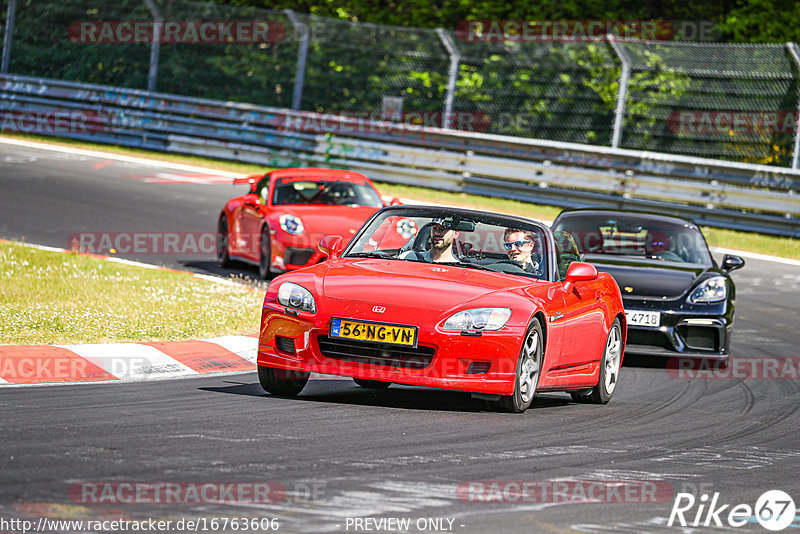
(280, 222)
(486, 303)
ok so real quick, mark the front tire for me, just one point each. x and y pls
(529, 366)
(609, 369)
(371, 384)
(265, 255)
(223, 237)
(282, 382)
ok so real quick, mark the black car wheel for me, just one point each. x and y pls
(282, 382)
(265, 255)
(609, 369)
(223, 258)
(529, 366)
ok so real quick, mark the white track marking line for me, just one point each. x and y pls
(756, 256)
(119, 157)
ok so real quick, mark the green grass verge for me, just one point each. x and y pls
(785, 247)
(51, 297)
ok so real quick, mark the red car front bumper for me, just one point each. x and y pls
(449, 360)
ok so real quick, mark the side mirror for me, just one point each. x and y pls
(331, 246)
(731, 262)
(252, 199)
(395, 201)
(577, 272)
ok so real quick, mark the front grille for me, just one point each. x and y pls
(649, 337)
(351, 350)
(297, 256)
(699, 337)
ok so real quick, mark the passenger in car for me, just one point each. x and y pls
(520, 246)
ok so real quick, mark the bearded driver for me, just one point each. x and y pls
(441, 243)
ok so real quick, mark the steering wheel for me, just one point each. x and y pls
(417, 243)
(667, 255)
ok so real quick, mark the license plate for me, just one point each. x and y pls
(394, 334)
(643, 318)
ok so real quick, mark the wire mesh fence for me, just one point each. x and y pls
(727, 101)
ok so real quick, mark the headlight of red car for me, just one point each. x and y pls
(291, 224)
(297, 297)
(478, 319)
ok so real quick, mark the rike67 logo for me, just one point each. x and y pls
(774, 510)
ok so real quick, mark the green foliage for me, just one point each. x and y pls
(762, 21)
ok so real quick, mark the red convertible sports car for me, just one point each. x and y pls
(484, 303)
(279, 223)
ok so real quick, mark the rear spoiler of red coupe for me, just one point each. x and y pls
(253, 178)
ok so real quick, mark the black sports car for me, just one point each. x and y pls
(678, 301)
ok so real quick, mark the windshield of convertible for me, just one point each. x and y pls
(336, 191)
(637, 237)
(439, 236)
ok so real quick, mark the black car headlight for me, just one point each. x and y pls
(297, 297)
(714, 289)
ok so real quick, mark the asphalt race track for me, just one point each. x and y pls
(343, 454)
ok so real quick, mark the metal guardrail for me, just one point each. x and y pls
(716, 193)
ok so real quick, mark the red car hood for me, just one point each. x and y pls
(412, 284)
(323, 220)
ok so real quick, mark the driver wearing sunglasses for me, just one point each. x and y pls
(519, 245)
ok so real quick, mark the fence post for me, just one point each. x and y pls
(452, 75)
(155, 45)
(796, 150)
(302, 53)
(623, 89)
(12, 9)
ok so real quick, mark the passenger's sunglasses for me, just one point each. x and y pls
(519, 244)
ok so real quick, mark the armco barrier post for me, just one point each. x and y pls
(796, 150)
(619, 114)
(302, 53)
(12, 8)
(155, 45)
(452, 75)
